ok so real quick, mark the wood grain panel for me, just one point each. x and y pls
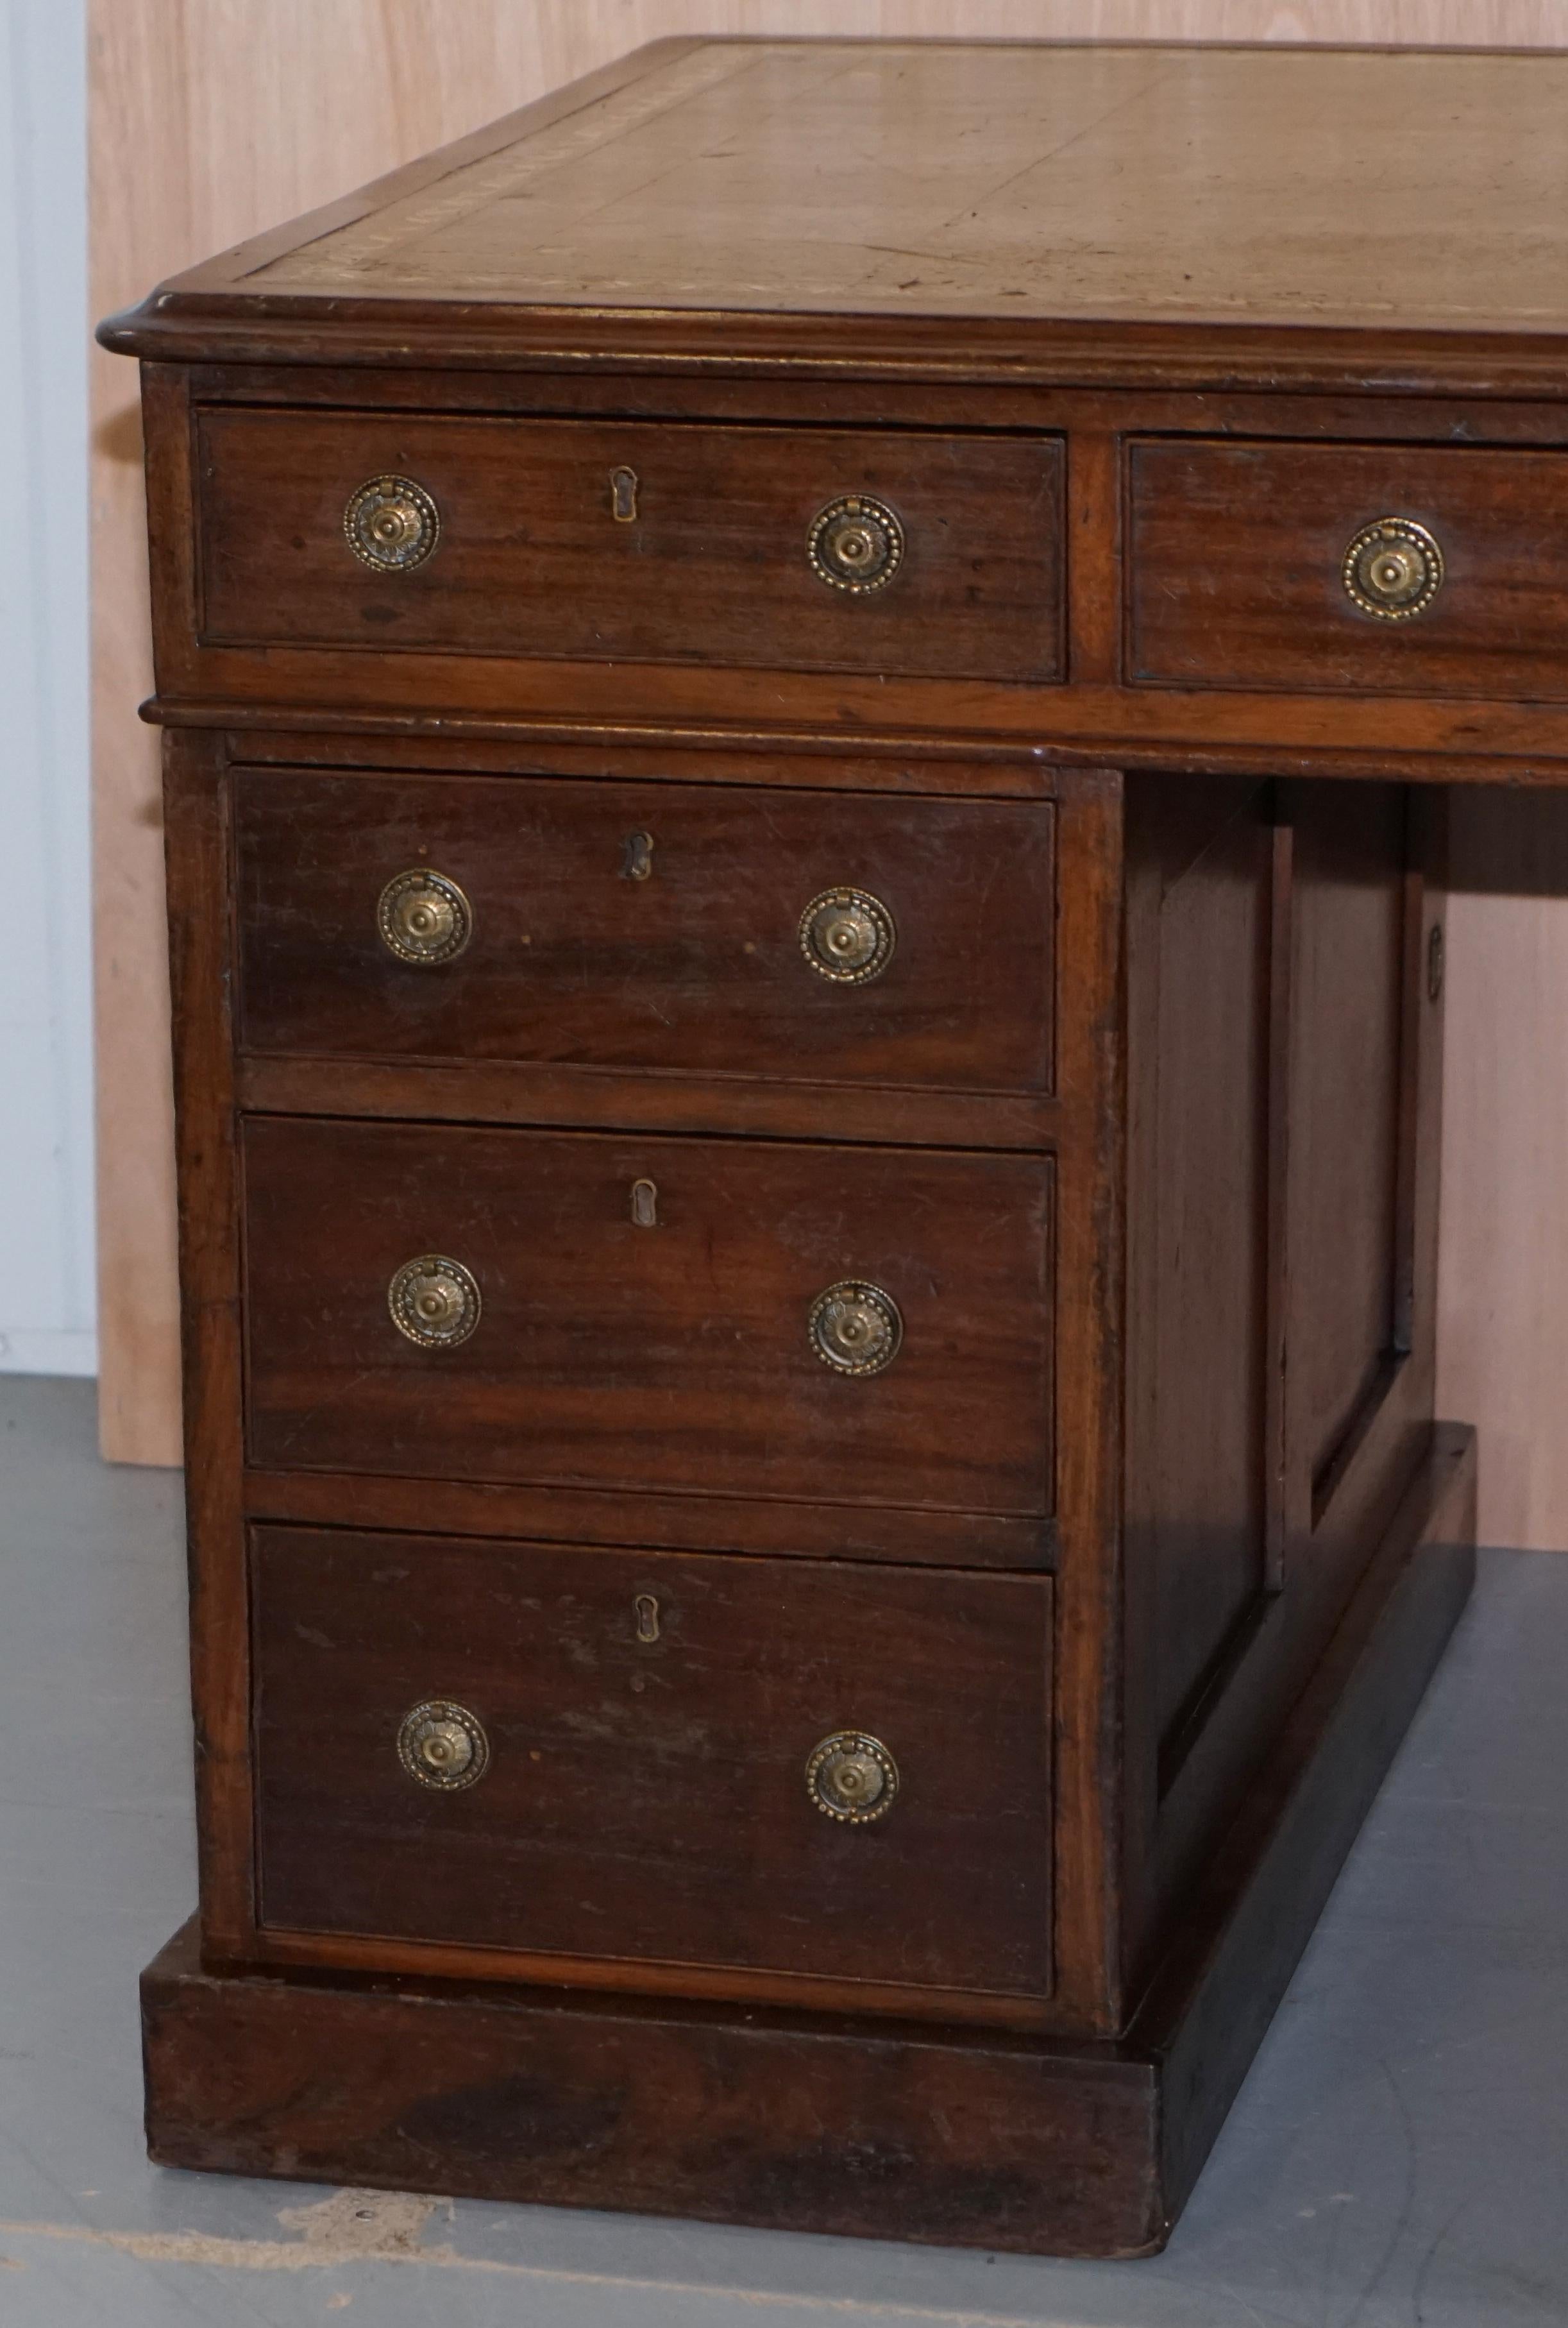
(1201, 1008)
(210, 125)
(1348, 907)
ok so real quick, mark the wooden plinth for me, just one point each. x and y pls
(805, 2122)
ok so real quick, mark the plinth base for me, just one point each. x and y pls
(793, 2122)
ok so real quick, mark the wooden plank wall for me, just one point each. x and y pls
(209, 122)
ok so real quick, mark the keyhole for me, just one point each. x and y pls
(624, 496)
(644, 1204)
(647, 1607)
(637, 862)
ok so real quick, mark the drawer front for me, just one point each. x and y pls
(1267, 566)
(543, 546)
(640, 1313)
(664, 926)
(644, 1723)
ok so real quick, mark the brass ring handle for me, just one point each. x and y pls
(856, 1327)
(442, 1745)
(434, 1302)
(1392, 568)
(851, 1777)
(848, 936)
(423, 917)
(855, 543)
(392, 524)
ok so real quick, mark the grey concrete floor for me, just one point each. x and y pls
(1396, 2157)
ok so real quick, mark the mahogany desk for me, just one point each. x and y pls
(808, 696)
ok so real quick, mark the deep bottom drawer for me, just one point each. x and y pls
(619, 1763)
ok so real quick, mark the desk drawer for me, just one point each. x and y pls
(641, 1313)
(805, 937)
(1264, 566)
(616, 1764)
(636, 542)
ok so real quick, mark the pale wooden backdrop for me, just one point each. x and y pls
(212, 121)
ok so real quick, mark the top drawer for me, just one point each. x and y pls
(1371, 569)
(645, 543)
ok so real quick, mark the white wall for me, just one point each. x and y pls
(46, 1251)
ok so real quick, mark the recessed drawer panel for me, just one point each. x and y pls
(664, 926)
(820, 549)
(835, 1772)
(1369, 569)
(827, 1324)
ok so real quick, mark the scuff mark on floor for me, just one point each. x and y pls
(355, 2227)
(354, 2223)
(351, 2227)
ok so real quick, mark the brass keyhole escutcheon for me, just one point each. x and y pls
(645, 1606)
(855, 543)
(852, 1777)
(442, 1745)
(856, 1327)
(847, 936)
(434, 1302)
(392, 524)
(624, 496)
(636, 857)
(424, 918)
(1393, 569)
(644, 1204)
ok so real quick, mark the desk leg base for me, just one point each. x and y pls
(960, 2138)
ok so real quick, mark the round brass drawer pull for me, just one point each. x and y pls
(434, 1302)
(855, 1329)
(423, 917)
(848, 935)
(855, 543)
(1393, 569)
(851, 1778)
(442, 1745)
(392, 524)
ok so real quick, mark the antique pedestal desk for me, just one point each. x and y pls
(808, 697)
